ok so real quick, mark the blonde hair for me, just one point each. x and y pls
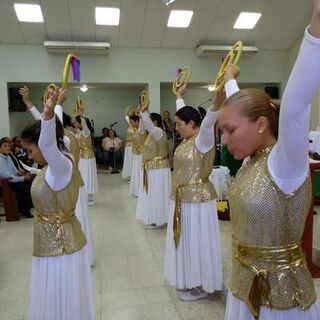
(254, 103)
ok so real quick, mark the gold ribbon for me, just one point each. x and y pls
(145, 168)
(56, 220)
(281, 258)
(177, 209)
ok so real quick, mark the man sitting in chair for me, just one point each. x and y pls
(19, 180)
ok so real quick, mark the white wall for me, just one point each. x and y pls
(20, 63)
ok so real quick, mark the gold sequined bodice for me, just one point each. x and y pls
(57, 230)
(190, 168)
(266, 222)
(75, 150)
(155, 153)
(138, 142)
(86, 151)
(130, 132)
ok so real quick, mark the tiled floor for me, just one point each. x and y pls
(128, 275)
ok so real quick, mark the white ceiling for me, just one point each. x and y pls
(143, 23)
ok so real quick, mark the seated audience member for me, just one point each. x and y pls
(112, 144)
(98, 145)
(19, 152)
(19, 180)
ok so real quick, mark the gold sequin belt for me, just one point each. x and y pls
(177, 208)
(55, 217)
(151, 164)
(279, 257)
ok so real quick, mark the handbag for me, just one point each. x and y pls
(223, 206)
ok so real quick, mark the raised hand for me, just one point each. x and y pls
(48, 110)
(181, 90)
(62, 96)
(314, 28)
(25, 93)
(231, 72)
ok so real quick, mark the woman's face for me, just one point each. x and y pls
(111, 133)
(240, 135)
(134, 124)
(186, 130)
(77, 125)
(34, 153)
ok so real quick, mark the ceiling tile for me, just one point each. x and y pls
(174, 38)
(108, 33)
(208, 6)
(194, 37)
(202, 20)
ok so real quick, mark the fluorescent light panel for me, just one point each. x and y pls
(247, 20)
(107, 16)
(28, 12)
(179, 18)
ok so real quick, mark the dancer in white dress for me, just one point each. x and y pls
(138, 138)
(270, 195)
(193, 252)
(153, 202)
(71, 141)
(61, 285)
(127, 161)
(87, 163)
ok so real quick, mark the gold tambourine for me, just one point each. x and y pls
(182, 78)
(50, 87)
(143, 99)
(128, 111)
(232, 57)
(76, 109)
(73, 60)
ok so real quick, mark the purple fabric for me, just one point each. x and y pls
(75, 63)
(178, 71)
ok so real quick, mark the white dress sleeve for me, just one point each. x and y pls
(180, 103)
(288, 161)
(155, 132)
(231, 87)
(142, 129)
(205, 139)
(35, 113)
(59, 112)
(59, 170)
(85, 130)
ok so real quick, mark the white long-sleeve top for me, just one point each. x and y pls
(288, 161)
(155, 132)
(35, 113)
(85, 130)
(59, 170)
(205, 139)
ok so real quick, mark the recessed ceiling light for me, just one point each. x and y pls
(179, 18)
(167, 2)
(247, 20)
(84, 88)
(28, 12)
(107, 16)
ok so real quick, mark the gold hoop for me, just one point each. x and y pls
(143, 99)
(46, 92)
(66, 69)
(232, 57)
(182, 78)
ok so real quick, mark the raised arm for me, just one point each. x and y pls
(288, 161)
(59, 170)
(85, 130)
(25, 93)
(154, 131)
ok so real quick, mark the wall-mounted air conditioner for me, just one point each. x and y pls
(77, 47)
(211, 50)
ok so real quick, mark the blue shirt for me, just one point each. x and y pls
(8, 169)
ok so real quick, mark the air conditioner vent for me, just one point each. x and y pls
(77, 47)
(211, 50)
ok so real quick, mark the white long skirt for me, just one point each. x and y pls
(61, 288)
(197, 260)
(83, 217)
(127, 163)
(88, 170)
(135, 175)
(238, 310)
(153, 207)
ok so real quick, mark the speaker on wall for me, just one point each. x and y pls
(272, 91)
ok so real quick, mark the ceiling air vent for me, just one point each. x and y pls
(77, 47)
(211, 50)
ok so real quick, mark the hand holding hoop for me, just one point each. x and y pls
(143, 101)
(182, 78)
(232, 57)
(49, 90)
